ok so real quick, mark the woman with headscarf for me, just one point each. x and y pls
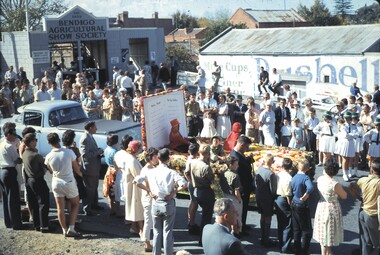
(128, 163)
(231, 140)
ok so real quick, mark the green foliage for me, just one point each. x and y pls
(367, 14)
(318, 14)
(186, 61)
(183, 20)
(217, 27)
(343, 7)
(12, 13)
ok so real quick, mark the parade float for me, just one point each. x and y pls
(159, 109)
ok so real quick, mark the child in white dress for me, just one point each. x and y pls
(373, 138)
(358, 142)
(326, 131)
(208, 130)
(297, 141)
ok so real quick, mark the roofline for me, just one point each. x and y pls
(378, 40)
(216, 38)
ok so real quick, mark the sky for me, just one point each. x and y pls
(197, 8)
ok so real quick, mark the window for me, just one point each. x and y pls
(69, 114)
(33, 119)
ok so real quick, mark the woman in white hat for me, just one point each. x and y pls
(267, 120)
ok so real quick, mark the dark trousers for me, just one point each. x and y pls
(91, 183)
(173, 78)
(262, 85)
(369, 233)
(206, 200)
(192, 125)
(284, 223)
(38, 198)
(302, 229)
(275, 88)
(245, 201)
(261, 136)
(285, 140)
(11, 197)
(311, 141)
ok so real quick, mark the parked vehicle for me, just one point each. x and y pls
(58, 116)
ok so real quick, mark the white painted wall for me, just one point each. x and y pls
(241, 73)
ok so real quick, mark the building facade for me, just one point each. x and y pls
(337, 55)
(80, 41)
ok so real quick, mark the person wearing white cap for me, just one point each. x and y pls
(267, 122)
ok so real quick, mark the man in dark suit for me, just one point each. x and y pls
(239, 112)
(217, 238)
(245, 173)
(174, 66)
(281, 113)
(376, 96)
(90, 168)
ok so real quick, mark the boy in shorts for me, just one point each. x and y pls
(61, 162)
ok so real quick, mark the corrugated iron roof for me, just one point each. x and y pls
(331, 40)
(275, 15)
(191, 31)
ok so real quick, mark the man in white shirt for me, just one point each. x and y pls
(126, 82)
(27, 95)
(9, 186)
(55, 92)
(209, 104)
(276, 82)
(161, 187)
(115, 74)
(42, 94)
(61, 162)
(10, 76)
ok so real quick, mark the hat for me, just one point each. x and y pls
(239, 97)
(327, 115)
(296, 103)
(174, 122)
(122, 89)
(115, 67)
(354, 115)
(307, 101)
(347, 115)
(377, 121)
(134, 146)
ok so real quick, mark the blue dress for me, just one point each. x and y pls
(297, 133)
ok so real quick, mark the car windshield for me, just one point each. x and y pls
(66, 115)
(328, 100)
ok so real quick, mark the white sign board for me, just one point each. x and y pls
(159, 110)
(241, 73)
(41, 56)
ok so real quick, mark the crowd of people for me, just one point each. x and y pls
(347, 138)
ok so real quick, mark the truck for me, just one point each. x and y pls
(61, 115)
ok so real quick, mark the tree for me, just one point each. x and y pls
(318, 14)
(367, 14)
(12, 13)
(184, 20)
(343, 7)
(185, 59)
(217, 26)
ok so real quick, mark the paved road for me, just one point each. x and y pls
(116, 227)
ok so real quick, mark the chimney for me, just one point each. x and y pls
(156, 15)
(125, 16)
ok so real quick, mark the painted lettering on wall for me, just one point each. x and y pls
(76, 26)
(242, 72)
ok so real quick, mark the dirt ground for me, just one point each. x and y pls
(32, 242)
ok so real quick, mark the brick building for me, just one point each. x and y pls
(123, 20)
(268, 18)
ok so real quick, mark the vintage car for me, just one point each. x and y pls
(58, 116)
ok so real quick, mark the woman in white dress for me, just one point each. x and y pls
(119, 166)
(372, 137)
(267, 120)
(358, 142)
(134, 211)
(326, 131)
(223, 123)
(152, 161)
(345, 146)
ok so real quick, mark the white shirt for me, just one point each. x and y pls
(8, 154)
(161, 180)
(55, 94)
(126, 82)
(10, 75)
(311, 123)
(286, 130)
(60, 162)
(283, 184)
(208, 103)
(276, 78)
(98, 93)
(42, 96)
